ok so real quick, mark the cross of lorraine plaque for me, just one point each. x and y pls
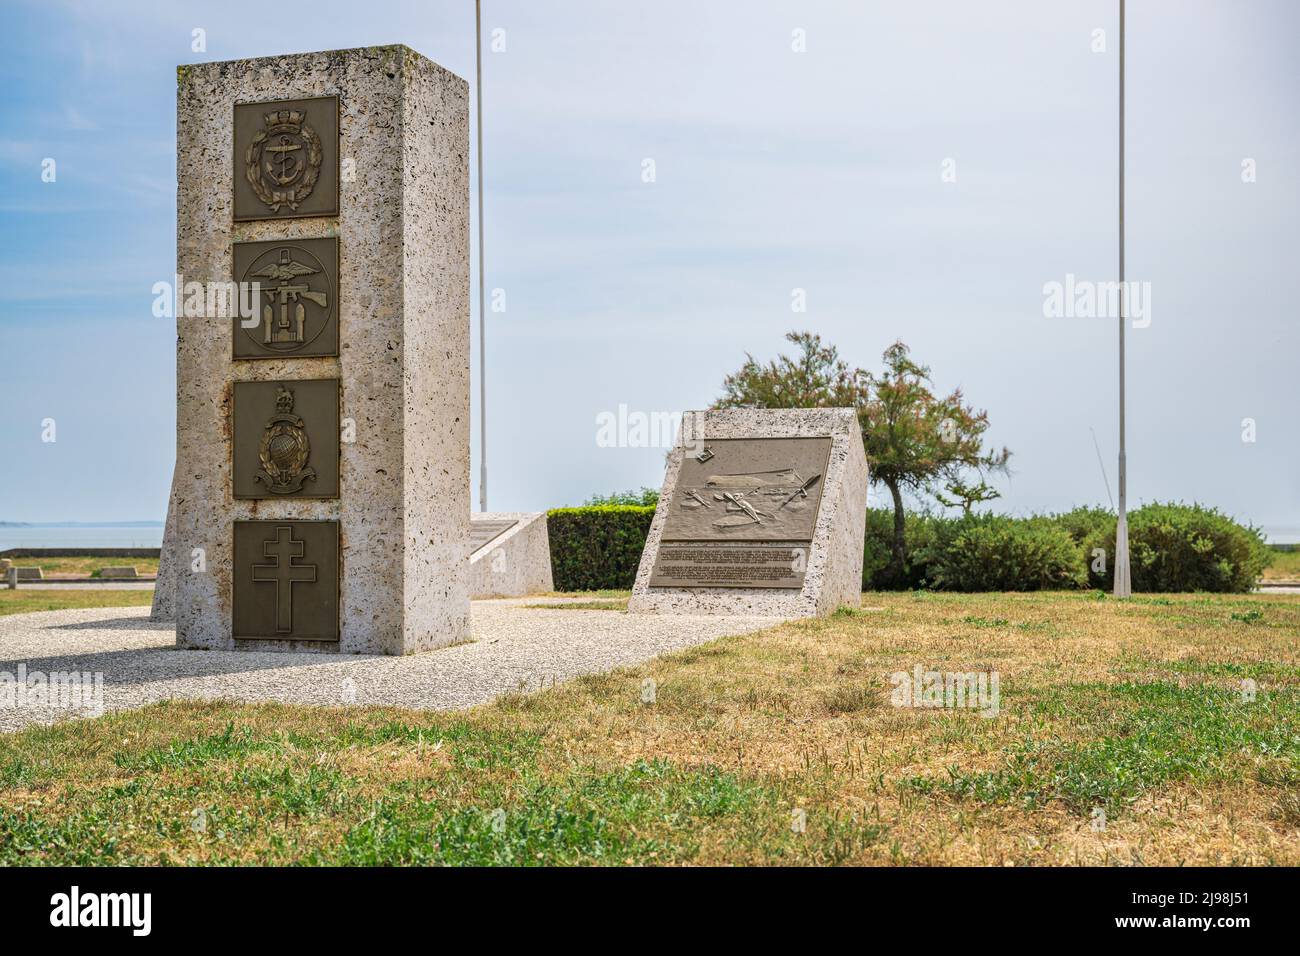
(286, 581)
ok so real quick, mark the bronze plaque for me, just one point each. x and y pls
(286, 439)
(286, 580)
(287, 159)
(298, 306)
(742, 514)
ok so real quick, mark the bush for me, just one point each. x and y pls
(1177, 547)
(1085, 521)
(1006, 554)
(595, 548)
(643, 496)
(923, 536)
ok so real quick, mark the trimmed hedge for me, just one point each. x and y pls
(1173, 547)
(597, 547)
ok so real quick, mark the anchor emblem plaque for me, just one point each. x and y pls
(286, 159)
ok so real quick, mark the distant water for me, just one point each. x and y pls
(81, 536)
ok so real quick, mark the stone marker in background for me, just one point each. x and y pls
(321, 494)
(125, 572)
(30, 574)
(762, 511)
(510, 554)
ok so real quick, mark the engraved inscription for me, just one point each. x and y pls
(730, 564)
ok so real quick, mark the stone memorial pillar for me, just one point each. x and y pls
(763, 511)
(321, 497)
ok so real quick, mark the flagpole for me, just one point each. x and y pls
(1123, 582)
(482, 314)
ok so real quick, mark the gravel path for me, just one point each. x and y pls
(514, 648)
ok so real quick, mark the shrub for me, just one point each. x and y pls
(1085, 521)
(643, 496)
(1006, 554)
(1177, 547)
(599, 547)
(924, 535)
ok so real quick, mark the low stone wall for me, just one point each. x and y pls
(81, 553)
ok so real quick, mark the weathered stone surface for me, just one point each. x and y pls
(125, 571)
(833, 575)
(403, 229)
(514, 561)
(30, 574)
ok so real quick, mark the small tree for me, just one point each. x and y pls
(913, 438)
(957, 493)
(816, 378)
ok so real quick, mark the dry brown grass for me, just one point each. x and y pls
(743, 731)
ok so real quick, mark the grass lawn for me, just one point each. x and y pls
(33, 599)
(1285, 567)
(83, 565)
(1133, 711)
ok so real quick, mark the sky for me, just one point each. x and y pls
(919, 171)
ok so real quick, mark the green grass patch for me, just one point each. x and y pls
(26, 600)
(1144, 735)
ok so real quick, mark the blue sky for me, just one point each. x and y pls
(775, 170)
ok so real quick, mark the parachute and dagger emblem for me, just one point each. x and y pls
(282, 329)
(742, 494)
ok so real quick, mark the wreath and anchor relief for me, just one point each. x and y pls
(285, 449)
(282, 163)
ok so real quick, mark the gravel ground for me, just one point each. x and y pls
(514, 648)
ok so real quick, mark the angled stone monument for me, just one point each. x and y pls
(321, 494)
(762, 512)
(511, 554)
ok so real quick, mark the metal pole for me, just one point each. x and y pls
(1123, 582)
(482, 313)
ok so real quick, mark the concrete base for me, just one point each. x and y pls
(515, 563)
(834, 572)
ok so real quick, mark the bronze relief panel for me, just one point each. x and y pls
(286, 580)
(298, 304)
(286, 159)
(743, 513)
(286, 439)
